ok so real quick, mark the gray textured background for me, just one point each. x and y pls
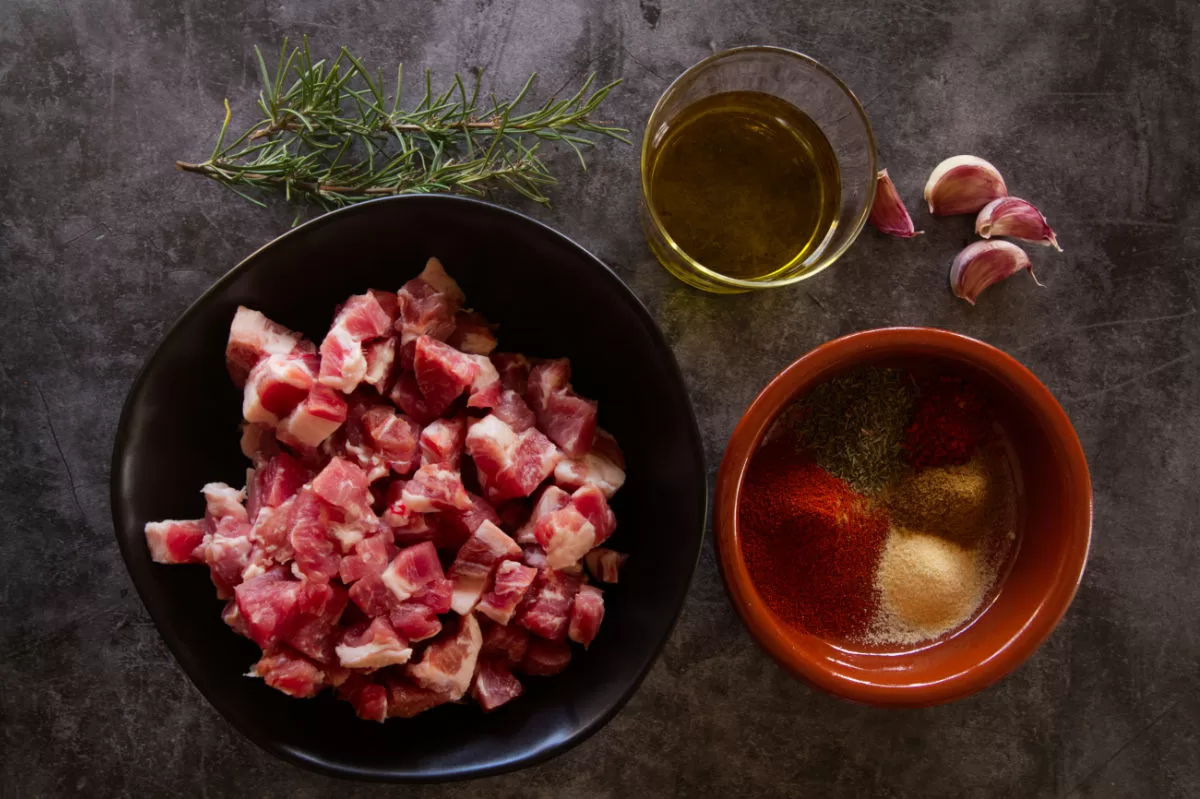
(1089, 108)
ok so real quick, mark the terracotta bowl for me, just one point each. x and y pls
(1056, 500)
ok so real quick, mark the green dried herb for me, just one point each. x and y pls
(853, 426)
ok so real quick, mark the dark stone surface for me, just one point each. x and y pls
(1090, 109)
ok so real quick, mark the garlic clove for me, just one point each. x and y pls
(962, 185)
(888, 213)
(1017, 219)
(983, 263)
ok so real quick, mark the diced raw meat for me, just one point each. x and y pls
(364, 316)
(510, 642)
(371, 556)
(172, 541)
(442, 441)
(220, 501)
(343, 363)
(316, 555)
(603, 467)
(511, 583)
(371, 596)
(227, 553)
(514, 411)
(414, 621)
(322, 605)
(509, 465)
(604, 564)
(253, 337)
(455, 527)
(569, 533)
(258, 442)
(233, 617)
(494, 684)
(485, 390)
(351, 442)
(411, 570)
(380, 356)
(274, 483)
(427, 304)
(472, 334)
(436, 596)
(271, 535)
(369, 698)
(474, 563)
(407, 394)
(442, 372)
(394, 436)
(533, 555)
(546, 658)
(436, 277)
(277, 384)
(345, 486)
(449, 661)
(372, 646)
(435, 487)
(551, 499)
(406, 699)
(270, 607)
(567, 418)
(315, 419)
(514, 370)
(587, 611)
(546, 610)
(291, 673)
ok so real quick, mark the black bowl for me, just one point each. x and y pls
(551, 298)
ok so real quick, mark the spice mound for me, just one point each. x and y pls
(881, 510)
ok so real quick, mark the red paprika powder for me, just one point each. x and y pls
(810, 543)
(949, 424)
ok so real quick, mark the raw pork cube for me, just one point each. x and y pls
(321, 605)
(379, 355)
(345, 486)
(274, 483)
(442, 372)
(316, 556)
(258, 441)
(511, 583)
(472, 334)
(494, 684)
(569, 533)
(367, 317)
(411, 570)
(394, 436)
(315, 419)
(428, 304)
(567, 418)
(414, 621)
(253, 337)
(604, 564)
(406, 699)
(372, 646)
(223, 501)
(510, 642)
(509, 465)
(437, 595)
(271, 608)
(546, 658)
(277, 384)
(371, 556)
(435, 487)
(172, 541)
(343, 361)
(587, 611)
(442, 441)
(603, 466)
(449, 661)
(546, 610)
(407, 395)
(512, 409)
(369, 698)
(455, 527)
(474, 563)
(551, 499)
(485, 390)
(292, 673)
(514, 370)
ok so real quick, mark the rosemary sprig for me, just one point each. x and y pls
(330, 134)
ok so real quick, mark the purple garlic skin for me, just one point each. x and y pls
(888, 214)
(1016, 219)
(984, 263)
(962, 185)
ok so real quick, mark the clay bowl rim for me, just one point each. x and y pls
(993, 662)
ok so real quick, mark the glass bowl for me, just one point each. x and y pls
(814, 90)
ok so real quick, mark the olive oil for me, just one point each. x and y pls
(745, 183)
